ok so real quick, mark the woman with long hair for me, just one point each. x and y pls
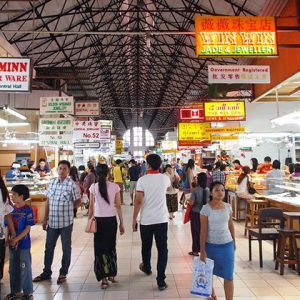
(5, 210)
(105, 204)
(187, 178)
(218, 238)
(199, 197)
(243, 183)
(74, 174)
(254, 163)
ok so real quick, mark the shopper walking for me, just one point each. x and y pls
(199, 197)
(218, 238)
(105, 202)
(20, 272)
(134, 173)
(5, 217)
(74, 175)
(150, 199)
(172, 191)
(63, 196)
(118, 178)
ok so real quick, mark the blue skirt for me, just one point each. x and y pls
(223, 256)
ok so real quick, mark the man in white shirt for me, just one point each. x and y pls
(150, 200)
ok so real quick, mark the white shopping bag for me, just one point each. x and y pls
(202, 277)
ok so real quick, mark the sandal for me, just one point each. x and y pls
(113, 280)
(193, 253)
(213, 297)
(61, 279)
(104, 284)
(10, 297)
(41, 278)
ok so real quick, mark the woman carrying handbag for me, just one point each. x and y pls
(105, 204)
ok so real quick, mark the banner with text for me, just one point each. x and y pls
(104, 135)
(232, 129)
(15, 74)
(87, 108)
(235, 36)
(238, 74)
(106, 124)
(193, 134)
(86, 130)
(56, 105)
(56, 140)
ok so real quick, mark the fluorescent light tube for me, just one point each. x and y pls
(292, 118)
(14, 113)
(13, 124)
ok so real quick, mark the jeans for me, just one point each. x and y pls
(160, 232)
(20, 271)
(51, 239)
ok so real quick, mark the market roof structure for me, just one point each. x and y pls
(137, 57)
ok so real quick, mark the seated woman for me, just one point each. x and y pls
(242, 188)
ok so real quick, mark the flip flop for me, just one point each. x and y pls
(61, 279)
(193, 253)
(41, 278)
(104, 284)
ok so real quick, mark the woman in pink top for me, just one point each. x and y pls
(105, 203)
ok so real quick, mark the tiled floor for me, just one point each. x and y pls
(250, 281)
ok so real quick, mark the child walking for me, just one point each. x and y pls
(19, 247)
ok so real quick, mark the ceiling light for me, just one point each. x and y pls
(2, 122)
(17, 141)
(292, 118)
(14, 113)
(13, 124)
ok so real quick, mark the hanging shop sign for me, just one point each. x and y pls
(238, 74)
(106, 124)
(235, 36)
(87, 145)
(224, 137)
(233, 129)
(86, 130)
(193, 134)
(87, 108)
(119, 146)
(169, 145)
(104, 135)
(224, 111)
(15, 74)
(55, 124)
(195, 113)
(56, 105)
(56, 140)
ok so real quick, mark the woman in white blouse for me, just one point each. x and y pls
(242, 188)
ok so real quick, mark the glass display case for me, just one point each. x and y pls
(259, 181)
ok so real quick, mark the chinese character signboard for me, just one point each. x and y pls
(238, 74)
(87, 108)
(86, 130)
(224, 111)
(15, 74)
(104, 135)
(119, 146)
(56, 124)
(193, 134)
(56, 105)
(235, 36)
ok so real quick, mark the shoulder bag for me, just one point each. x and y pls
(91, 226)
(251, 189)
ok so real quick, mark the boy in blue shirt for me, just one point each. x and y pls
(19, 247)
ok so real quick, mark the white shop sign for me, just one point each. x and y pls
(57, 140)
(86, 130)
(105, 135)
(15, 74)
(87, 108)
(106, 124)
(56, 105)
(86, 145)
(238, 74)
(56, 124)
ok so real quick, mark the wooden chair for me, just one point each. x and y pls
(269, 220)
(251, 213)
(241, 204)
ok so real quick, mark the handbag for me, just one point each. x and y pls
(175, 184)
(91, 226)
(187, 214)
(251, 189)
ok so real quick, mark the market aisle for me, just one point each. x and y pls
(251, 282)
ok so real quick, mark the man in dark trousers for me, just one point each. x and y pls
(150, 199)
(134, 174)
